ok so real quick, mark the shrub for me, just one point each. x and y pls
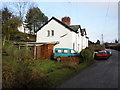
(18, 74)
(25, 53)
(70, 64)
(17, 54)
(30, 78)
(98, 47)
(8, 77)
(46, 66)
(87, 55)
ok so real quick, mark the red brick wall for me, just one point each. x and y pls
(66, 20)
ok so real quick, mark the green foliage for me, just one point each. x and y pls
(98, 47)
(116, 41)
(98, 42)
(10, 24)
(35, 18)
(18, 36)
(6, 15)
(36, 73)
(46, 66)
(71, 65)
(87, 55)
(17, 54)
(10, 28)
(29, 78)
(90, 43)
(17, 74)
(9, 67)
(19, 71)
(59, 76)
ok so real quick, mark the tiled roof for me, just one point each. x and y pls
(75, 27)
(65, 25)
(83, 32)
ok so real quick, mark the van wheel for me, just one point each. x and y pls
(58, 59)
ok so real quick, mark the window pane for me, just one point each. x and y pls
(48, 33)
(72, 51)
(52, 32)
(65, 51)
(58, 51)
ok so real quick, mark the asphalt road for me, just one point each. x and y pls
(102, 74)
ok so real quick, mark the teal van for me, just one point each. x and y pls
(64, 52)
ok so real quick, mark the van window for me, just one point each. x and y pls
(58, 51)
(72, 52)
(65, 51)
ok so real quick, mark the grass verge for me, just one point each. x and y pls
(59, 76)
(37, 73)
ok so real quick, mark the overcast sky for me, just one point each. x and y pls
(97, 17)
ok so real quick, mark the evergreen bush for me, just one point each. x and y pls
(18, 54)
(87, 55)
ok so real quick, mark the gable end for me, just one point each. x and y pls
(58, 22)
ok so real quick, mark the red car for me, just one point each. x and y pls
(102, 55)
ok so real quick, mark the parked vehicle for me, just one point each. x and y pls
(64, 52)
(102, 55)
(109, 51)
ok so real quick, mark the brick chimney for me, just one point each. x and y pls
(66, 20)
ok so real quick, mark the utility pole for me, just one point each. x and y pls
(102, 38)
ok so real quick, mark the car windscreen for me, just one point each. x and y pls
(101, 53)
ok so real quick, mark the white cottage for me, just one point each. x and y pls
(23, 28)
(68, 36)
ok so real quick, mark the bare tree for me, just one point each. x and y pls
(21, 9)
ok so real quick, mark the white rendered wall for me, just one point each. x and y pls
(59, 30)
(80, 42)
(64, 42)
(77, 40)
(86, 42)
(21, 29)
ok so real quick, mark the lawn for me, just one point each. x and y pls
(37, 73)
(20, 70)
